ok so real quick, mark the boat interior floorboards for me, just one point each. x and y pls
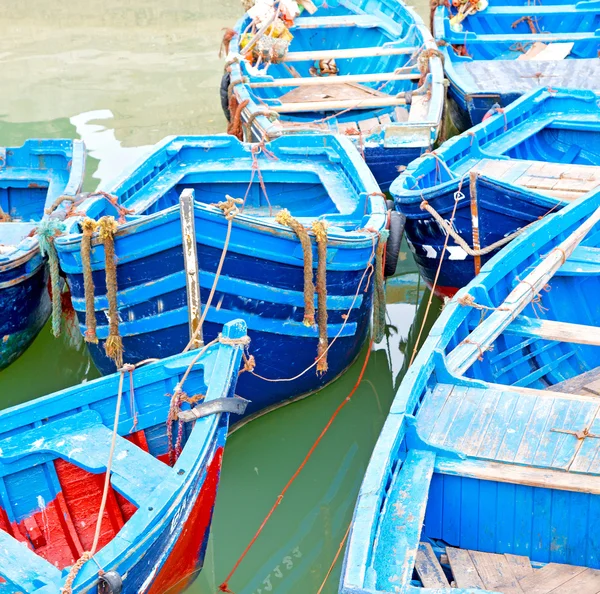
(509, 574)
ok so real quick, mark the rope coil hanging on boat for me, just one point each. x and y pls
(319, 228)
(285, 218)
(88, 227)
(46, 231)
(107, 228)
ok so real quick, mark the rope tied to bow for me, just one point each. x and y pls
(46, 231)
(107, 228)
(285, 218)
(319, 228)
(88, 227)
(379, 299)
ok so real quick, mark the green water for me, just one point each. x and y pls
(122, 75)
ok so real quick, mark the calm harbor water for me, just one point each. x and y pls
(122, 75)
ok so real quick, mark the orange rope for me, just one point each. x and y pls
(224, 587)
(337, 556)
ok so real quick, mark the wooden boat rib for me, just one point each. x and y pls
(486, 473)
(316, 177)
(32, 177)
(53, 457)
(379, 97)
(526, 161)
(499, 53)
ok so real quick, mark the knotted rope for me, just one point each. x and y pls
(4, 217)
(379, 301)
(235, 126)
(448, 227)
(107, 227)
(47, 230)
(87, 555)
(88, 227)
(469, 301)
(320, 230)
(285, 218)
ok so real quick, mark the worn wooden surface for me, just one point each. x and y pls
(525, 75)
(429, 569)
(586, 383)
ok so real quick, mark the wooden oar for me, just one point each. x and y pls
(332, 80)
(360, 52)
(467, 352)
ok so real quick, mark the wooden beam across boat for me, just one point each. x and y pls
(468, 351)
(551, 330)
(325, 80)
(359, 52)
(366, 103)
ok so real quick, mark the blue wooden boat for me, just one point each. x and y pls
(161, 494)
(32, 177)
(517, 166)
(365, 68)
(509, 48)
(486, 472)
(317, 178)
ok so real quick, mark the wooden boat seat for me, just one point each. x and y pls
(85, 441)
(508, 574)
(22, 566)
(557, 180)
(501, 429)
(330, 92)
(362, 21)
(520, 76)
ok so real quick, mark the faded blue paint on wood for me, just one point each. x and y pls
(76, 425)
(545, 126)
(491, 74)
(392, 141)
(510, 475)
(316, 177)
(32, 177)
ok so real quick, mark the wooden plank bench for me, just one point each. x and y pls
(585, 383)
(509, 574)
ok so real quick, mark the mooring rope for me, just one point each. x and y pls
(47, 230)
(107, 227)
(319, 228)
(224, 587)
(88, 227)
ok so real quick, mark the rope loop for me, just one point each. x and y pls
(229, 207)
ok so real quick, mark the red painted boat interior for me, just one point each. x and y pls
(64, 528)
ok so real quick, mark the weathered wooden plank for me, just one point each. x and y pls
(328, 92)
(555, 51)
(587, 582)
(549, 577)
(365, 126)
(588, 382)
(495, 572)
(559, 331)
(333, 80)
(520, 475)
(533, 51)
(335, 105)
(403, 518)
(401, 114)
(385, 119)
(520, 565)
(429, 569)
(464, 571)
(419, 108)
(432, 407)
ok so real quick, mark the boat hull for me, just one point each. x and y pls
(24, 306)
(263, 284)
(501, 210)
